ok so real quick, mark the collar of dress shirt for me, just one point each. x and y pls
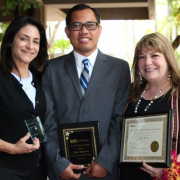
(79, 58)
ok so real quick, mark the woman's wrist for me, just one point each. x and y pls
(7, 147)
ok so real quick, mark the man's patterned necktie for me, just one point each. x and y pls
(84, 78)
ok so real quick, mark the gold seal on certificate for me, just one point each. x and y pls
(80, 142)
(154, 146)
(146, 138)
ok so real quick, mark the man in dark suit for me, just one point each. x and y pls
(101, 94)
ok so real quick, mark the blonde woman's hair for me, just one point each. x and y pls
(157, 43)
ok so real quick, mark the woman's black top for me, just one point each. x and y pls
(15, 107)
(159, 105)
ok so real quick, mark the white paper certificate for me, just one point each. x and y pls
(145, 138)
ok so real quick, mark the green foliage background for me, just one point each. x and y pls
(61, 44)
(3, 27)
(168, 24)
(24, 4)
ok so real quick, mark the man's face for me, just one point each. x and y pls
(84, 41)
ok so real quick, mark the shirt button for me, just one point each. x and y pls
(82, 113)
(32, 83)
(37, 164)
(37, 101)
(39, 155)
(33, 115)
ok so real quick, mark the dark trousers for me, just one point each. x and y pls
(23, 174)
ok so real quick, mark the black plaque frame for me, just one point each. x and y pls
(80, 142)
(155, 161)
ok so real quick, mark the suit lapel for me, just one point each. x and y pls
(97, 71)
(72, 70)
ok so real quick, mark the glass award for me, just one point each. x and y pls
(36, 129)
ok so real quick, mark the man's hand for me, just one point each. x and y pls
(96, 170)
(68, 173)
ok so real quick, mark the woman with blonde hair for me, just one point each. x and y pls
(156, 82)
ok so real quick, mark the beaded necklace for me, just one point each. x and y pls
(151, 101)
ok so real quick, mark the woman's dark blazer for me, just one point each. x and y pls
(15, 107)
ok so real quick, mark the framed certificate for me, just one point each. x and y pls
(80, 142)
(146, 138)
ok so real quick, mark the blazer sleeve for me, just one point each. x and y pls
(55, 162)
(109, 154)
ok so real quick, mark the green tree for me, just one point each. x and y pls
(61, 44)
(175, 9)
(3, 27)
(175, 17)
(168, 22)
(24, 4)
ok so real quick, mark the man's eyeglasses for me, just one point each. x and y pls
(77, 26)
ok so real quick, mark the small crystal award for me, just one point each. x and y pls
(36, 129)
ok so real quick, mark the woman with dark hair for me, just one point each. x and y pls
(23, 58)
(155, 89)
